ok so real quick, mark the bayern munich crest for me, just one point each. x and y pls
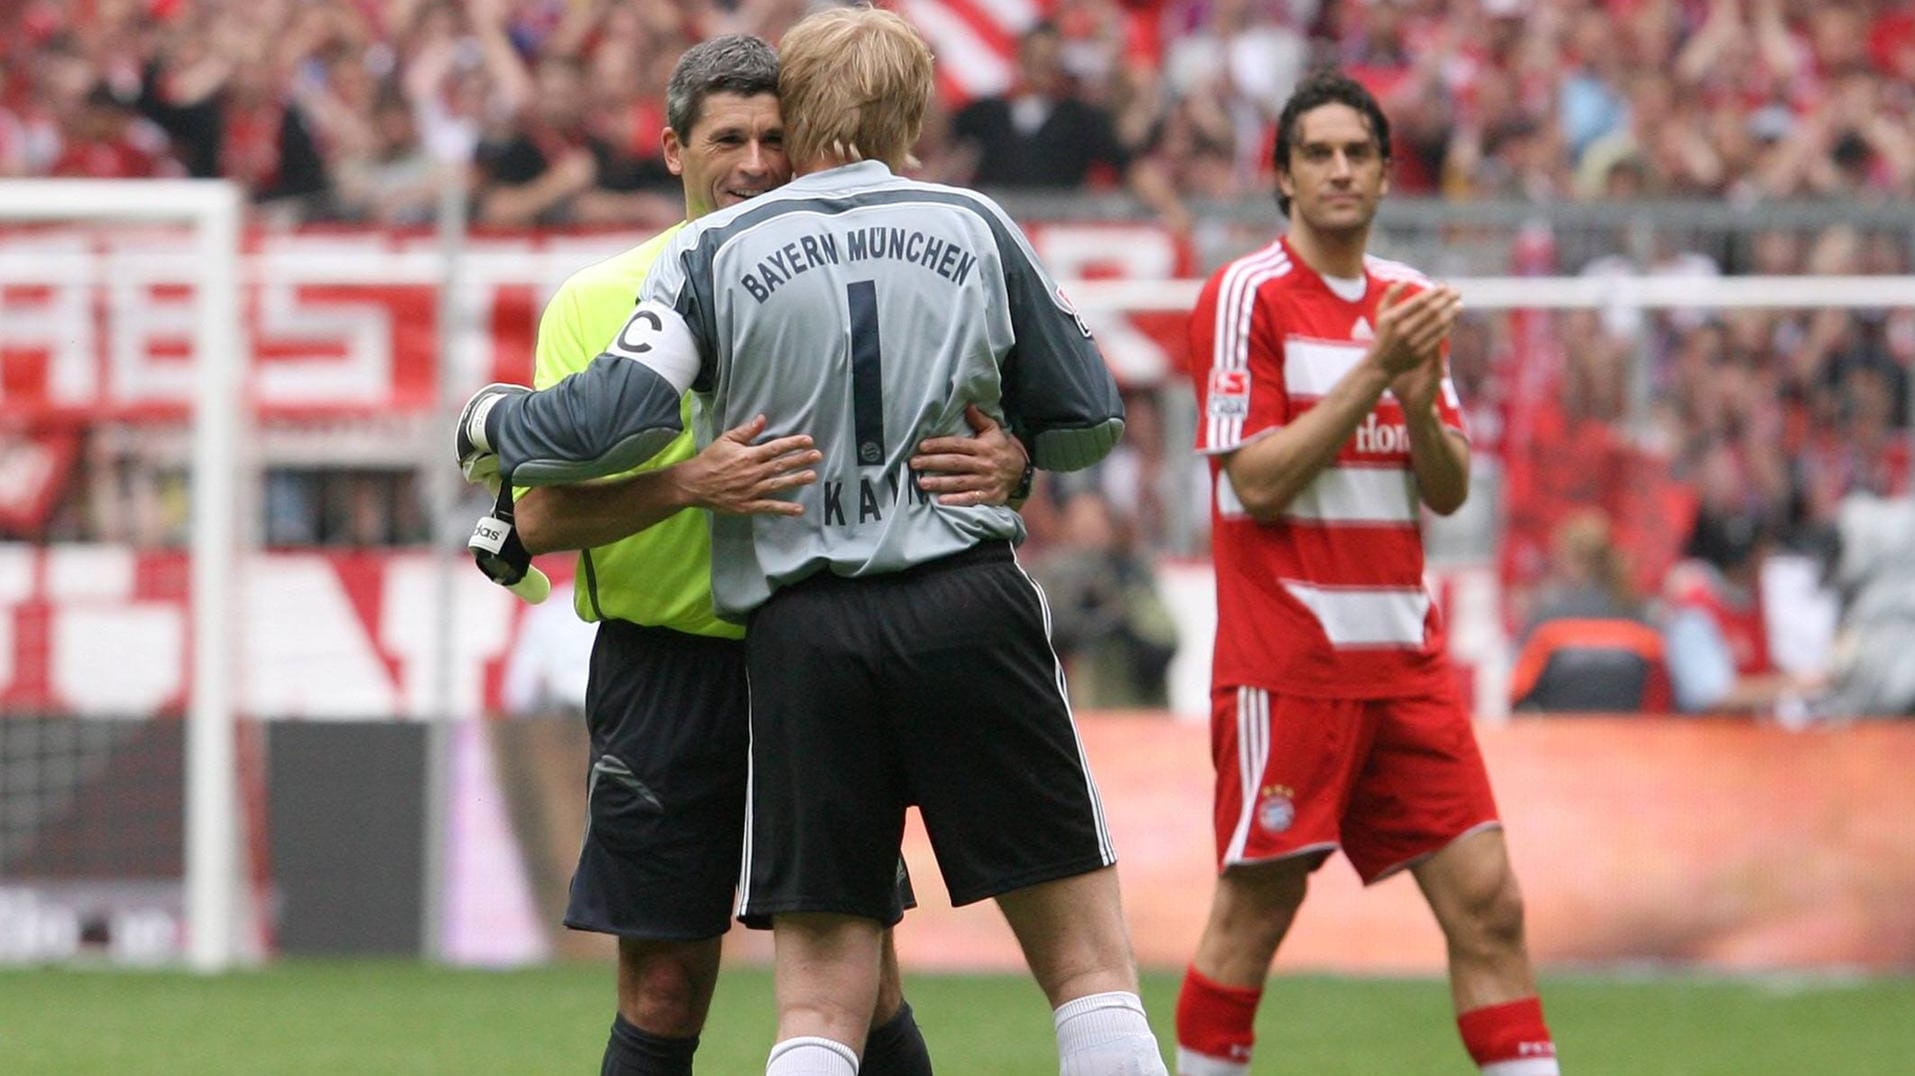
(1275, 812)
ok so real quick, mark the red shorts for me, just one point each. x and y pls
(1387, 780)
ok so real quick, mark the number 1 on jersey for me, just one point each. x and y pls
(867, 373)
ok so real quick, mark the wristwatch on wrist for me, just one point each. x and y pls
(1022, 491)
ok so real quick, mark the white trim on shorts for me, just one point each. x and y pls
(1253, 754)
(1105, 850)
(1395, 868)
(744, 848)
(1321, 848)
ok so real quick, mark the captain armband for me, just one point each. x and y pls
(657, 336)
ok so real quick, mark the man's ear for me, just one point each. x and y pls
(674, 152)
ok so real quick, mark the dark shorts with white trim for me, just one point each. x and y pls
(668, 717)
(935, 687)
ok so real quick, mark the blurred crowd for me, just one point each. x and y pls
(1767, 411)
(341, 109)
(1708, 444)
(1765, 421)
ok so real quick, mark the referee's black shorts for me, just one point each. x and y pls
(935, 686)
(669, 718)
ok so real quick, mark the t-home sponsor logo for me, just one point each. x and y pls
(1382, 438)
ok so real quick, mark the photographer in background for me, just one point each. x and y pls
(1108, 622)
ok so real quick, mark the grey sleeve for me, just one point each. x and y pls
(606, 419)
(681, 279)
(1058, 392)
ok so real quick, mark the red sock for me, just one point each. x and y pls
(1215, 1020)
(1509, 1039)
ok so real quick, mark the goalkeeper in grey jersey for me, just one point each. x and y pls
(864, 309)
(897, 654)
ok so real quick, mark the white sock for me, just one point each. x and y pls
(810, 1055)
(1106, 1035)
(1192, 1063)
(1526, 1066)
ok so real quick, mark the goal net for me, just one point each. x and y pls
(123, 826)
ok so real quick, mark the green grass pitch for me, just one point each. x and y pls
(398, 1017)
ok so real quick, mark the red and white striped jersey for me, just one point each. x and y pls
(1329, 600)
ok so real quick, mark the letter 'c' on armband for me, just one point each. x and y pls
(657, 336)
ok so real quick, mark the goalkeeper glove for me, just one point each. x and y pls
(476, 459)
(496, 549)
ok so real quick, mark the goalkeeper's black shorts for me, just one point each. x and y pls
(935, 686)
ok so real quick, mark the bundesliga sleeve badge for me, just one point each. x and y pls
(1229, 395)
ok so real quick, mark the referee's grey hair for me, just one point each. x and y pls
(730, 63)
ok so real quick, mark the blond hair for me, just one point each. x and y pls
(853, 84)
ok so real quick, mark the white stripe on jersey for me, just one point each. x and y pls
(1356, 495)
(1230, 340)
(1228, 503)
(1311, 368)
(1105, 849)
(1365, 616)
(1253, 753)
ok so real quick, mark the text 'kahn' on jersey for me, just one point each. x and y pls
(867, 311)
(763, 309)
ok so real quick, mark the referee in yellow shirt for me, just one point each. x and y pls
(667, 704)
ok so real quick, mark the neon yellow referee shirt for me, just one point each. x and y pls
(661, 576)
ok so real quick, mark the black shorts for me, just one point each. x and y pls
(668, 715)
(935, 686)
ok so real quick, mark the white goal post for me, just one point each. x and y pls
(212, 209)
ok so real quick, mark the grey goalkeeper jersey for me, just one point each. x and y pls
(858, 307)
